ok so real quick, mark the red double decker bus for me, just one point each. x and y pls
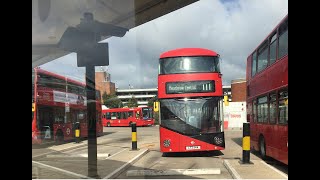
(142, 116)
(267, 94)
(58, 107)
(190, 96)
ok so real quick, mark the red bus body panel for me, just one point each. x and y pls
(126, 122)
(179, 142)
(45, 97)
(270, 80)
(188, 52)
(118, 122)
(276, 136)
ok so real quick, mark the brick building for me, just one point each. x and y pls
(103, 82)
(238, 90)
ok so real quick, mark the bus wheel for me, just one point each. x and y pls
(262, 148)
(130, 124)
(108, 124)
(59, 137)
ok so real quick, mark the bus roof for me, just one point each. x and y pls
(188, 52)
(42, 71)
(273, 30)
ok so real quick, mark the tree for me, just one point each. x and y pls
(111, 100)
(151, 101)
(133, 102)
(155, 114)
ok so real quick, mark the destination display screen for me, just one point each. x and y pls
(190, 87)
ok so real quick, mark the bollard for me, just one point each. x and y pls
(77, 132)
(77, 135)
(134, 136)
(246, 144)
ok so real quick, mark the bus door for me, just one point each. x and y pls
(45, 122)
(121, 118)
(138, 118)
(131, 117)
(82, 117)
(253, 125)
(113, 119)
(68, 124)
(124, 116)
(283, 125)
(104, 118)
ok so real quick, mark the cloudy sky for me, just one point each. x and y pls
(232, 28)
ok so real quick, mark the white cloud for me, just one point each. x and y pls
(232, 28)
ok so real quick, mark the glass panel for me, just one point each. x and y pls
(262, 109)
(108, 115)
(180, 65)
(283, 107)
(273, 108)
(254, 63)
(283, 44)
(273, 52)
(263, 57)
(130, 114)
(191, 116)
(254, 115)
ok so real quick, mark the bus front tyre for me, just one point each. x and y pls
(130, 123)
(108, 124)
(262, 148)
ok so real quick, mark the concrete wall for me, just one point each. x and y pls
(234, 115)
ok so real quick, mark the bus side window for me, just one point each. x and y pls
(125, 115)
(254, 111)
(113, 115)
(130, 114)
(283, 107)
(119, 115)
(108, 115)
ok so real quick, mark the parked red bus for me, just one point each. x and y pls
(142, 116)
(58, 106)
(267, 94)
(190, 96)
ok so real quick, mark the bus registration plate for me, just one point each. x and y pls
(192, 147)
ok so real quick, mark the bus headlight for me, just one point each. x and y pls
(166, 143)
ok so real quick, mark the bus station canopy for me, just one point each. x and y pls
(50, 19)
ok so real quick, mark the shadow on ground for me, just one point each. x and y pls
(237, 141)
(52, 143)
(193, 154)
(74, 168)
